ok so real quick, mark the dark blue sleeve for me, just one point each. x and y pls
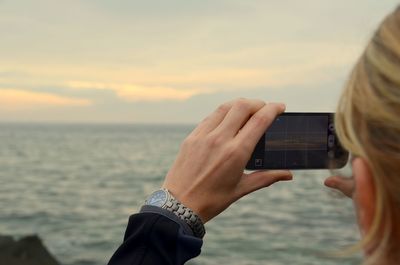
(156, 236)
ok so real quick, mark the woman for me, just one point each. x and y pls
(208, 175)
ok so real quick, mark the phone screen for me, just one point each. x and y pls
(299, 141)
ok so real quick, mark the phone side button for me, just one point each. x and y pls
(331, 141)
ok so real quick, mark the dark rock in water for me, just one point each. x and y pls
(26, 251)
(6, 241)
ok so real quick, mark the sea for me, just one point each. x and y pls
(75, 185)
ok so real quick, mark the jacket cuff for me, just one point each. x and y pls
(170, 215)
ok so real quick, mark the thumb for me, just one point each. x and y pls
(345, 185)
(261, 179)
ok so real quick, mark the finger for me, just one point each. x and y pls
(238, 115)
(345, 185)
(256, 126)
(261, 179)
(214, 119)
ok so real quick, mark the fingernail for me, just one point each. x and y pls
(331, 184)
(289, 177)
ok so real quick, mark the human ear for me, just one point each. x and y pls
(364, 194)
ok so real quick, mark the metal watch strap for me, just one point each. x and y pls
(187, 215)
(165, 200)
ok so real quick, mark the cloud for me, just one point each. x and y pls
(162, 87)
(134, 93)
(274, 66)
(202, 72)
(17, 99)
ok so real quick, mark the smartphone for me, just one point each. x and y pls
(299, 141)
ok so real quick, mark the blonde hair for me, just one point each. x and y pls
(368, 125)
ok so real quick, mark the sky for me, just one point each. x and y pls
(158, 61)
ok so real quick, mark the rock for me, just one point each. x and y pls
(26, 251)
(6, 241)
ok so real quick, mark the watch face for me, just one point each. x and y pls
(158, 198)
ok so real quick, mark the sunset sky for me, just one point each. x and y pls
(174, 61)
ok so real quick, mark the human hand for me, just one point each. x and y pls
(342, 184)
(208, 173)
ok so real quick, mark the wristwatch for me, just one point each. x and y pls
(163, 198)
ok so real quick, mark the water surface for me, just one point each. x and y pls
(76, 185)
